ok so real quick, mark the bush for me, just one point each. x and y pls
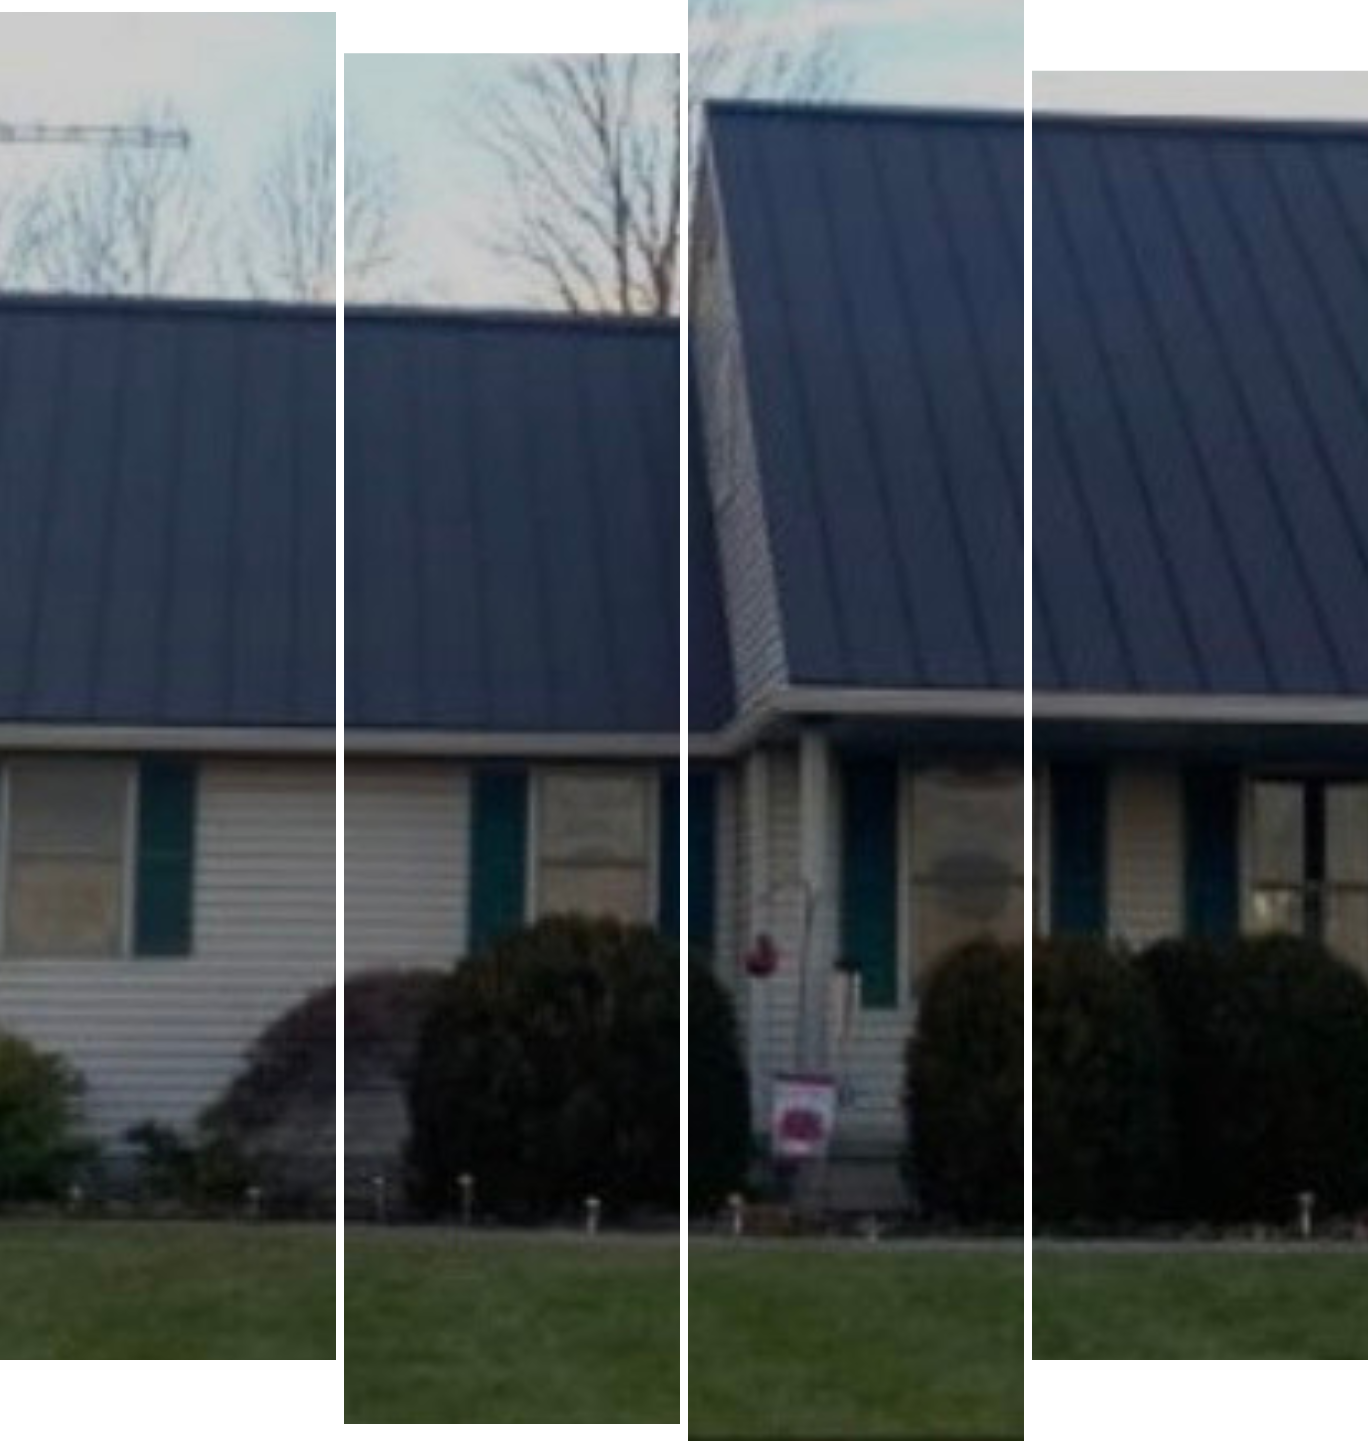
(1270, 1047)
(964, 1087)
(277, 1124)
(719, 1094)
(40, 1152)
(548, 1068)
(1102, 1133)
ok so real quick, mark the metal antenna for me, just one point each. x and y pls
(143, 137)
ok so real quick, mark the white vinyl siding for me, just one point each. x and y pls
(407, 865)
(159, 1038)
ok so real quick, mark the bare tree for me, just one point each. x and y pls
(125, 221)
(588, 147)
(11, 202)
(289, 246)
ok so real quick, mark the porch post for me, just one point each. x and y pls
(757, 906)
(814, 848)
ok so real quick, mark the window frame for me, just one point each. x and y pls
(649, 779)
(128, 858)
(1313, 890)
(907, 882)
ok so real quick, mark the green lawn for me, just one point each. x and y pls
(1200, 1306)
(499, 1328)
(790, 1340)
(92, 1290)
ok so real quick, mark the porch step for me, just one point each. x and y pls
(867, 1178)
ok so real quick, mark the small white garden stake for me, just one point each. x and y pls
(465, 1186)
(736, 1206)
(593, 1209)
(1306, 1210)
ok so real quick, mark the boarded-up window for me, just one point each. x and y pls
(65, 852)
(967, 871)
(594, 844)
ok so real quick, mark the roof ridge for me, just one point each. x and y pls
(863, 111)
(475, 317)
(1267, 125)
(241, 307)
(973, 117)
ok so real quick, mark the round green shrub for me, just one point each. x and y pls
(277, 1123)
(548, 1069)
(1102, 1133)
(1269, 1037)
(40, 1150)
(963, 1089)
(719, 1094)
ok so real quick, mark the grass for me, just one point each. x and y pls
(1200, 1306)
(798, 1340)
(503, 1328)
(91, 1290)
(795, 1341)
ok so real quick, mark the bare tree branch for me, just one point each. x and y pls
(125, 222)
(288, 246)
(587, 147)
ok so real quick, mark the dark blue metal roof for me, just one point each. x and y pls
(877, 260)
(167, 486)
(1201, 309)
(1201, 407)
(512, 492)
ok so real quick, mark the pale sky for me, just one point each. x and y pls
(238, 77)
(930, 52)
(232, 78)
(1287, 95)
(235, 77)
(948, 52)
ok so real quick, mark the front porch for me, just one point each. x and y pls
(1208, 833)
(847, 863)
(852, 860)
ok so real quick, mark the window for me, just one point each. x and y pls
(65, 858)
(1345, 922)
(594, 844)
(1310, 861)
(967, 869)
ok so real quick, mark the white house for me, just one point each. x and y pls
(856, 623)
(1200, 542)
(167, 837)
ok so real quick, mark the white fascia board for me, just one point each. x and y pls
(241, 740)
(1349, 711)
(511, 744)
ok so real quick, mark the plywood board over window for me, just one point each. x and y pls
(593, 844)
(66, 858)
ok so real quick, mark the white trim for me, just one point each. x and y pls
(513, 745)
(782, 703)
(1215, 709)
(809, 702)
(913, 704)
(143, 740)
(922, 705)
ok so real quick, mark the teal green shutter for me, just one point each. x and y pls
(1078, 872)
(498, 854)
(688, 859)
(869, 877)
(164, 908)
(1211, 858)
